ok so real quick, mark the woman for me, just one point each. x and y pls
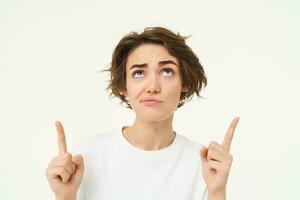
(154, 73)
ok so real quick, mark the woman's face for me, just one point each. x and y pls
(151, 72)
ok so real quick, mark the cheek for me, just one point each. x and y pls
(173, 90)
(174, 87)
(134, 90)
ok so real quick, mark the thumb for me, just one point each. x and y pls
(203, 154)
(79, 162)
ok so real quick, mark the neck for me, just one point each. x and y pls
(150, 135)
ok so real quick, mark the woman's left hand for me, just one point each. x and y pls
(216, 163)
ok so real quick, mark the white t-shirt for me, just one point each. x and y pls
(115, 169)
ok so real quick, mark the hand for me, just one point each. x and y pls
(216, 162)
(64, 172)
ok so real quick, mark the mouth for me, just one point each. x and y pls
(151, 102)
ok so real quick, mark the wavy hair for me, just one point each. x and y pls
(191, 71)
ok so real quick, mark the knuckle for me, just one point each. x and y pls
(212, 151)
(68, 155)
(222, 148)
(212, 144)
(209, 153)
(66, 178)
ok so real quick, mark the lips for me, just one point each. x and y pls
(151, 101)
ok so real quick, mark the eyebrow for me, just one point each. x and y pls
(161, 63)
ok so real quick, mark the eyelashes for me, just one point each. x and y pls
(136, 72)
(169, 70)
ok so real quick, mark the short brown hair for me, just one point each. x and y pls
(191, 71)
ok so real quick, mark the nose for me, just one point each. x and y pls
(153, 85)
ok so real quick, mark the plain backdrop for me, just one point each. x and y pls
(51, 53)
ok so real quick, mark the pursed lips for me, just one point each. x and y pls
(151, 101)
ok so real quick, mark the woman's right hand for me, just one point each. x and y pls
(64, 172)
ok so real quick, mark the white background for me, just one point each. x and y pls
(50, 52)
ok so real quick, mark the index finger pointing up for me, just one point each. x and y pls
(62, 144)
(229, 134)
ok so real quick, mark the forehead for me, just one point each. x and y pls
(149, 53)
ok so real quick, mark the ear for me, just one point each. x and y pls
(124, 92)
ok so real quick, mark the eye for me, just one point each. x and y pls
(168, 70)
(138, 73)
